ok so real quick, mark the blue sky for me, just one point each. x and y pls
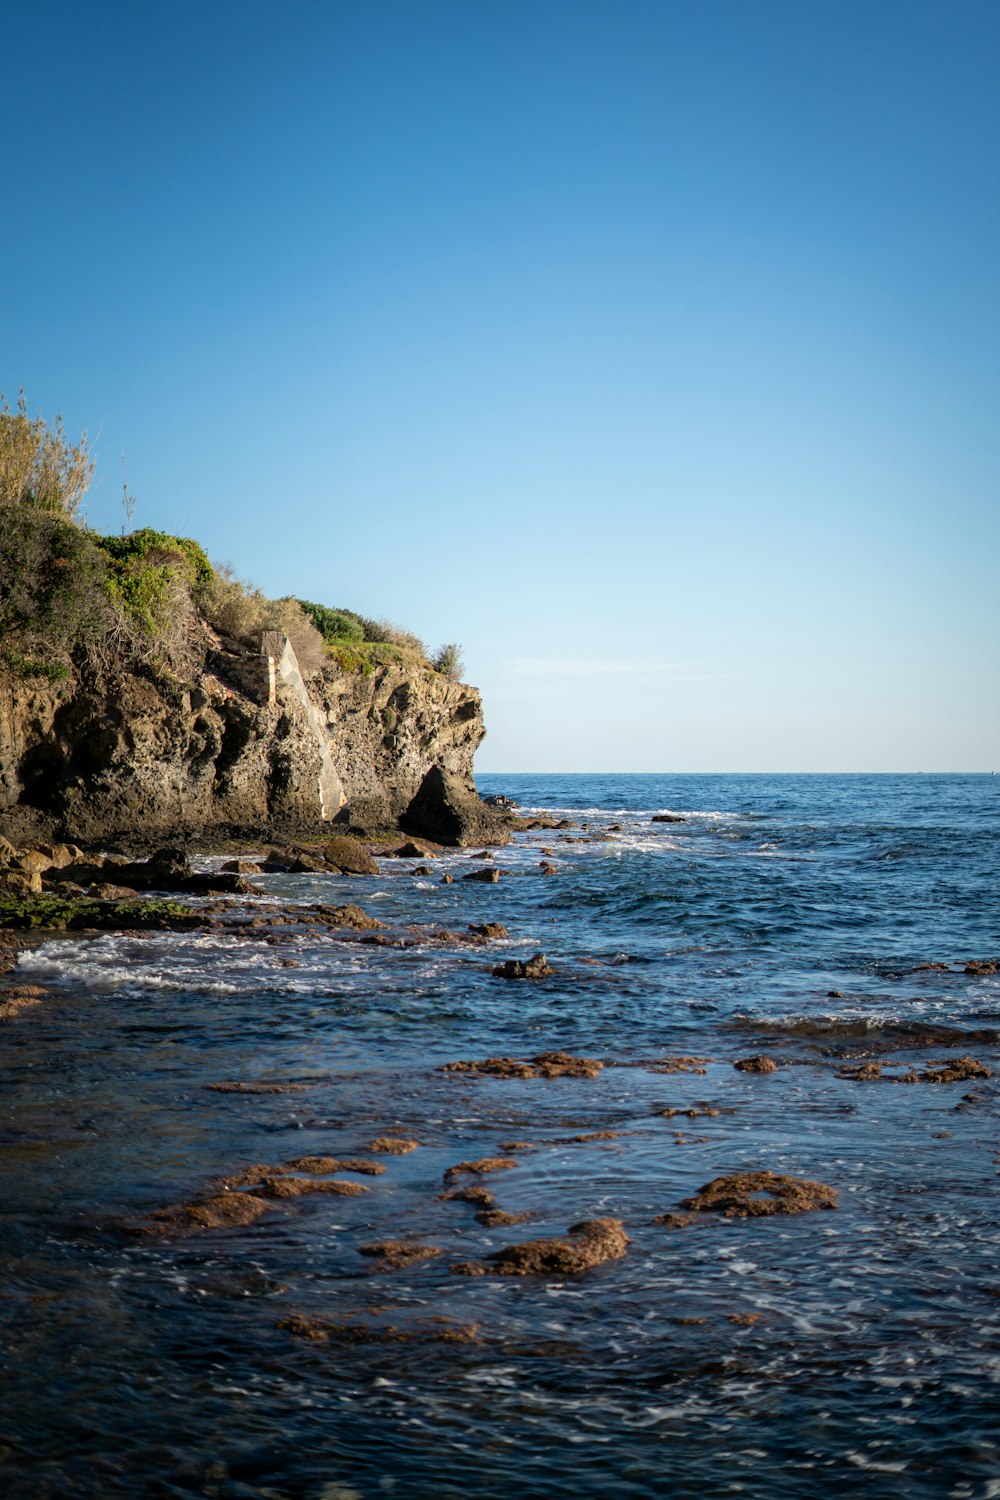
(649, 350)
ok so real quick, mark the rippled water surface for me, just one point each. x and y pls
(846, 1352)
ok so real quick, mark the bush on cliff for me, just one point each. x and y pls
(239, 610)
(53, 590)
(39, 466)
(334, 625)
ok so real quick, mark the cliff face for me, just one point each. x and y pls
(239, 745)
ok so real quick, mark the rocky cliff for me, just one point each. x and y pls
(239, 744)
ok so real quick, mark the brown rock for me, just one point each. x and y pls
(667, 818)
(349, 855)
(28, 883)
(422, 870)
(547, 868)
(350, 916)
(33, 861)
(477, 1168)
(674, 1221)
(391, 1145)
(542, 1065)
(282, 1185)
(323, 1165)
(758, 1064)
(239, 1087)
(747, 1195)
(955, 1070)
(241, 867)
(225, 1211)
(18, 998)
(588, 1244)
(489, 930)
(395, 1255)
(412, 850)
(487, 877)
(680, 1065)
(447, 880)
(981, 967)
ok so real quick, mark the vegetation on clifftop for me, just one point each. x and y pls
(65, 590)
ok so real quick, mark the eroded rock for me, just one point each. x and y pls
(758, 1064)
(395, 1255)
(748, 1195)
(588, 1244)
(392, 1145)
(536, 967)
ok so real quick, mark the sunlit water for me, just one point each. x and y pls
(134, 1368)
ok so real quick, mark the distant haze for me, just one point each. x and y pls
(650, 350)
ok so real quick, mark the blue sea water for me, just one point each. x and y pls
(851, 1351)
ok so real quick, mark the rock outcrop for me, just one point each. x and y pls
(239, 745)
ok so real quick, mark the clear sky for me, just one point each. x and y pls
(648, 348)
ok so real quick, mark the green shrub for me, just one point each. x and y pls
(52, 589)
(351, 659)
(334, 624)
(150, 576)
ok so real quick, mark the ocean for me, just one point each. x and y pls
(846, 1350)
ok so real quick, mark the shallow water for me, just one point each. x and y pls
(134, 1367)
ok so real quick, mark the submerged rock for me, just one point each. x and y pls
(758, 1064)
(476, 1168)
(748, 1195)
(542, 1065)
(395, 1255)
(224, 1211)
(392, 1145)
(588, 1244)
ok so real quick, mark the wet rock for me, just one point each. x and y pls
(448, 810)
(487, 877)
(481, 1197)
(595, 1135)
(667, 818)
(674, 1220)
(237, 1086)
(547, 868)
(284, 1185)
(422, 870)
(18, 998)
(447, 880)
(483, 854)
(745, 1319)
(392, 1145)
(542, 1065)
(224, 1211)
(497, 1218)
(864, 1073)
(536, 967)
(758, 1064)
(614, 828)
(412, 850)
(499, 800)
(320, 1331)
(395, 1255)
(324, 1165)
(981, 967)
(747, 1195)
(588, 1244)
(680, 1065)
(111, 892)
(489, 930)
(955, 1070)
(477, 1168)
(349, 855)
(693, 1112)
(241, 867)
(350, 916)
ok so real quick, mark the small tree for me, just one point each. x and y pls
(448, 661)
